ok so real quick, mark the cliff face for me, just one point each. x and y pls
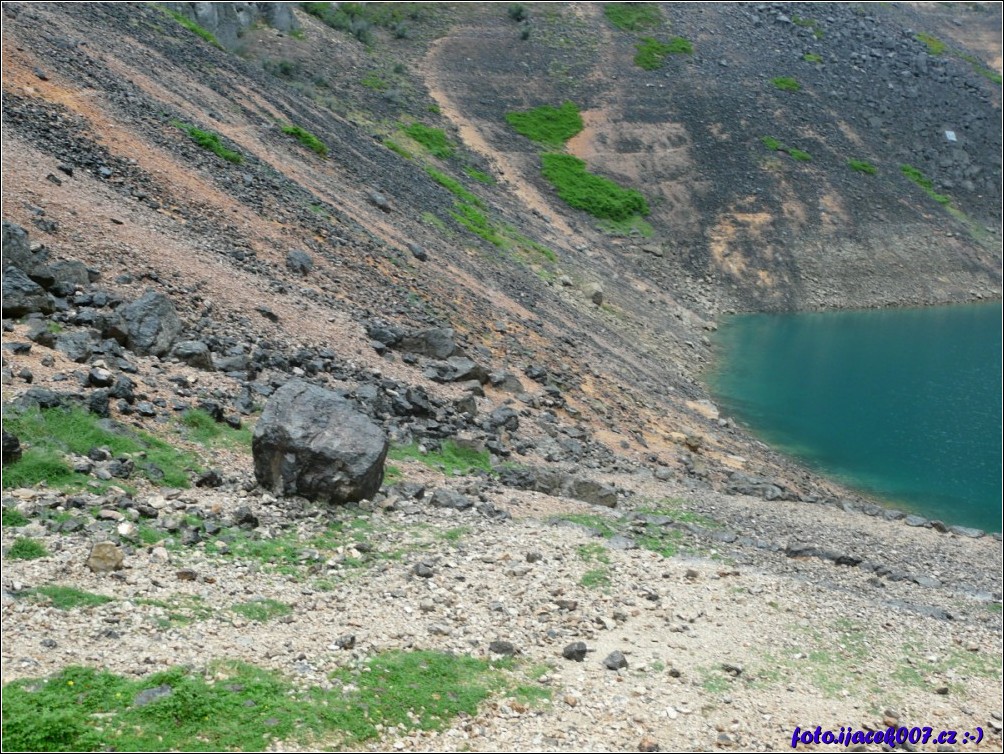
(228, 22)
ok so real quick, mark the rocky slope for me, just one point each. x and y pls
(159, 277)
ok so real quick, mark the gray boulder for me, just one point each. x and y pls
(16, 249)
(149, 325)
(436, 343)
(299, 262)
(314, 443)
(21, 295)
(195, 353)
(77, 346)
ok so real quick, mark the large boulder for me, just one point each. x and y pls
(312, 442)
(149, 325)
(16, 248)
(21, 295)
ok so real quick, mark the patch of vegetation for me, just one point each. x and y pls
(714, 681)
(531, 695)
(66, 597)
(478, 175)
(307, 139)
(234, 706)
(862, 166)
(633, 227)
(786, 84)
(918, 177)
(393, 146)
(633, 16)
(477, 222)
(374, 82)
(347, 17)
(210, 141)
(776, 146)
(811, 57)
(262, 610)
(981, 69)
(13, 517)
(809, 23)
(391, 474)
(26, 548)
(454, 535)
(517, 12)
(451, 459)
(205, 430)
(178, 610)
(595, 578)
(433, 139)
(192, 26)
(934, 45)
(430, 219)
(651, 53)
(454, 187)
(591, 193)
(550, 126)
(605, 527)
(285, 68)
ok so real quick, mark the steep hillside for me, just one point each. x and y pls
(342, 194)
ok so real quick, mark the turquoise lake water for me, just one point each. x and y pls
(903, 405)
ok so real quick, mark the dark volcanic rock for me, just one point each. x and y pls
(11, 448)
(149, 325)
(299, 262)
(436, 343)
(22, 295)
(312, 442)
(16, 249)
(195, 353)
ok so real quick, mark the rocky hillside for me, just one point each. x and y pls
(204, 202)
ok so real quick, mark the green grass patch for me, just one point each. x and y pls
(477, 222)
(13, 517)
(192, 26)
(633, 227)
(479, 176)
(532, 695)
(861, 166)
(433, 139)
(633, 16)
(774, 145)
(375, 82)
(598, 577)
(178, 610)
(594, 552)
(205, 430)
(26, 548)
(393, 146)
(809, 23)
(591, 193)
(262, 610)
(307, 139)
(234, 706)
(451, 459)
(918, 177)
(604, 526)
(454, 187)
(210, 141)
(980, 68)
(811, 57)
(786, 84)
(934, 45)
(550, 126)
(430, 219)
(66, 597)
(651, 53)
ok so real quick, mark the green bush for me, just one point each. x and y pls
(262, 610)
(799, 154)
(211, 141)
(786, 84)
(478, 175)
(433, 139)
(633, 16)
(393, 146)
(915, 175)
(476, 222)
(13, 517)
(454, 187)
(550, 126)
(67, 598)
(651, 53)
(934, 45)
(776, 146)
(594, 194)
(307, 139)
(517, 12)
(862, 166)
(809, 23)
(811, 57)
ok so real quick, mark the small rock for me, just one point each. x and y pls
(187, 574)
(422, 570)
(575, 651)
(615, 660)
(648, 744)
(500, 647)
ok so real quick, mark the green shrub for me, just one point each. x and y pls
(771, 143)
(809, 23)
(67, 598)
(776, 146)
(811, 57)
(550, 126)
(211, 141)
(307, 139)
(475, 221)
(633, 16)
(786, 84)
(862, 166)
(591, 193)
(517, 12)
(262, 610)
(651, 53)
(373, 81)
(799, 154)
(192, 26)
(478, 175)
(433, 139)
(348, 17)
(26, 548)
